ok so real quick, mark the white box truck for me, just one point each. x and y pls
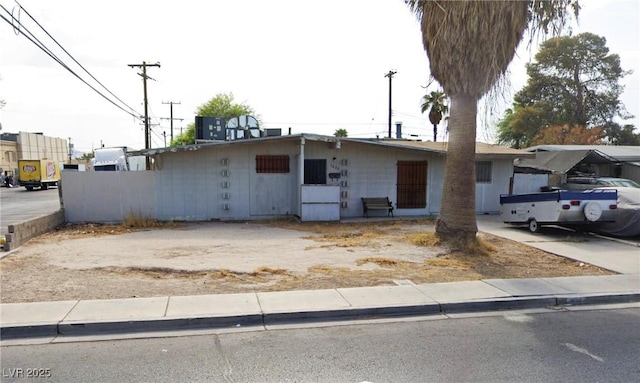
(117, 159)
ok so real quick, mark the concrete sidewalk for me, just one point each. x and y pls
(139, 315)
(51, 320)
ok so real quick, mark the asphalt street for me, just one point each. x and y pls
(595, 345)
(18, 204)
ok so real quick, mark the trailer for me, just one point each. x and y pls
(559, 207)
(117, 159)
(38, 173)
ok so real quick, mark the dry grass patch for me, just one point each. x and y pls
(348, 238)
(449, 263)
(139, 222)
(32, 277)
(380, 226)
(265, 270)
(423, 239)
(153, 272)
(382, 262)
(131, 224)
(322, 269)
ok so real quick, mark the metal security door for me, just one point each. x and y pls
(412, 184)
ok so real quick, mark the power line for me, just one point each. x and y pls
(33, 39)
(73, 58)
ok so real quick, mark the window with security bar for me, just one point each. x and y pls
(483, 172)
(412, 184)
(272, 164)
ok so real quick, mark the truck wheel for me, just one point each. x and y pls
(534, 226)
(29, 188)
(44, 187)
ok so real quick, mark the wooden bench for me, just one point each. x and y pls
(378, 203)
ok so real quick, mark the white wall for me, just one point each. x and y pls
(488, 194)
(371, 171)
(221, 183)
(198, 185)
(107, 196)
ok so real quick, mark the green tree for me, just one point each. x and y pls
(88, 156)
(340, 133)
(519, 126)
(470, 45)
(576, 81)
(436, 103)
(222, 105)
(621, 135)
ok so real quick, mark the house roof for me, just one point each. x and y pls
(620, 153)
(563, 161)
(482, 149)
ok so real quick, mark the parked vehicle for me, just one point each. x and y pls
(7, 180)
(626, 216)
(38, 173)
(559, 207)
(582, 183)
(117, 159)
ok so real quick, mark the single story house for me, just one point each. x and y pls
(314, 177)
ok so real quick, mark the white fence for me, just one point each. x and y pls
(107, 196)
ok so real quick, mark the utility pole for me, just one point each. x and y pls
(171, 103)
(150, 133)
(165, 138)
(147, 135)
(390, 75)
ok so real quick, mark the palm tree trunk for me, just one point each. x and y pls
(435, 132)
(457, 218)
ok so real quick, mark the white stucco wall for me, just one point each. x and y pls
(221, 183)
(107, 196)
(488, 194)
(371, 171)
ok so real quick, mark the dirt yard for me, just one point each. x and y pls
(109, 261)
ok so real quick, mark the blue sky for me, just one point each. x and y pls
(314, 68)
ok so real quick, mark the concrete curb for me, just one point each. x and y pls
(498, 304)
(598, 299)
(363, 313)
(157, 325)
(43, 330)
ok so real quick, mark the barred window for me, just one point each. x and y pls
(412, 184)
(483, 172)
(272, 164)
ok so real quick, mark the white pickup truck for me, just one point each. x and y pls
(558, 207)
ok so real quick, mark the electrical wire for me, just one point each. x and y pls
(31, 37)
(73, 58)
